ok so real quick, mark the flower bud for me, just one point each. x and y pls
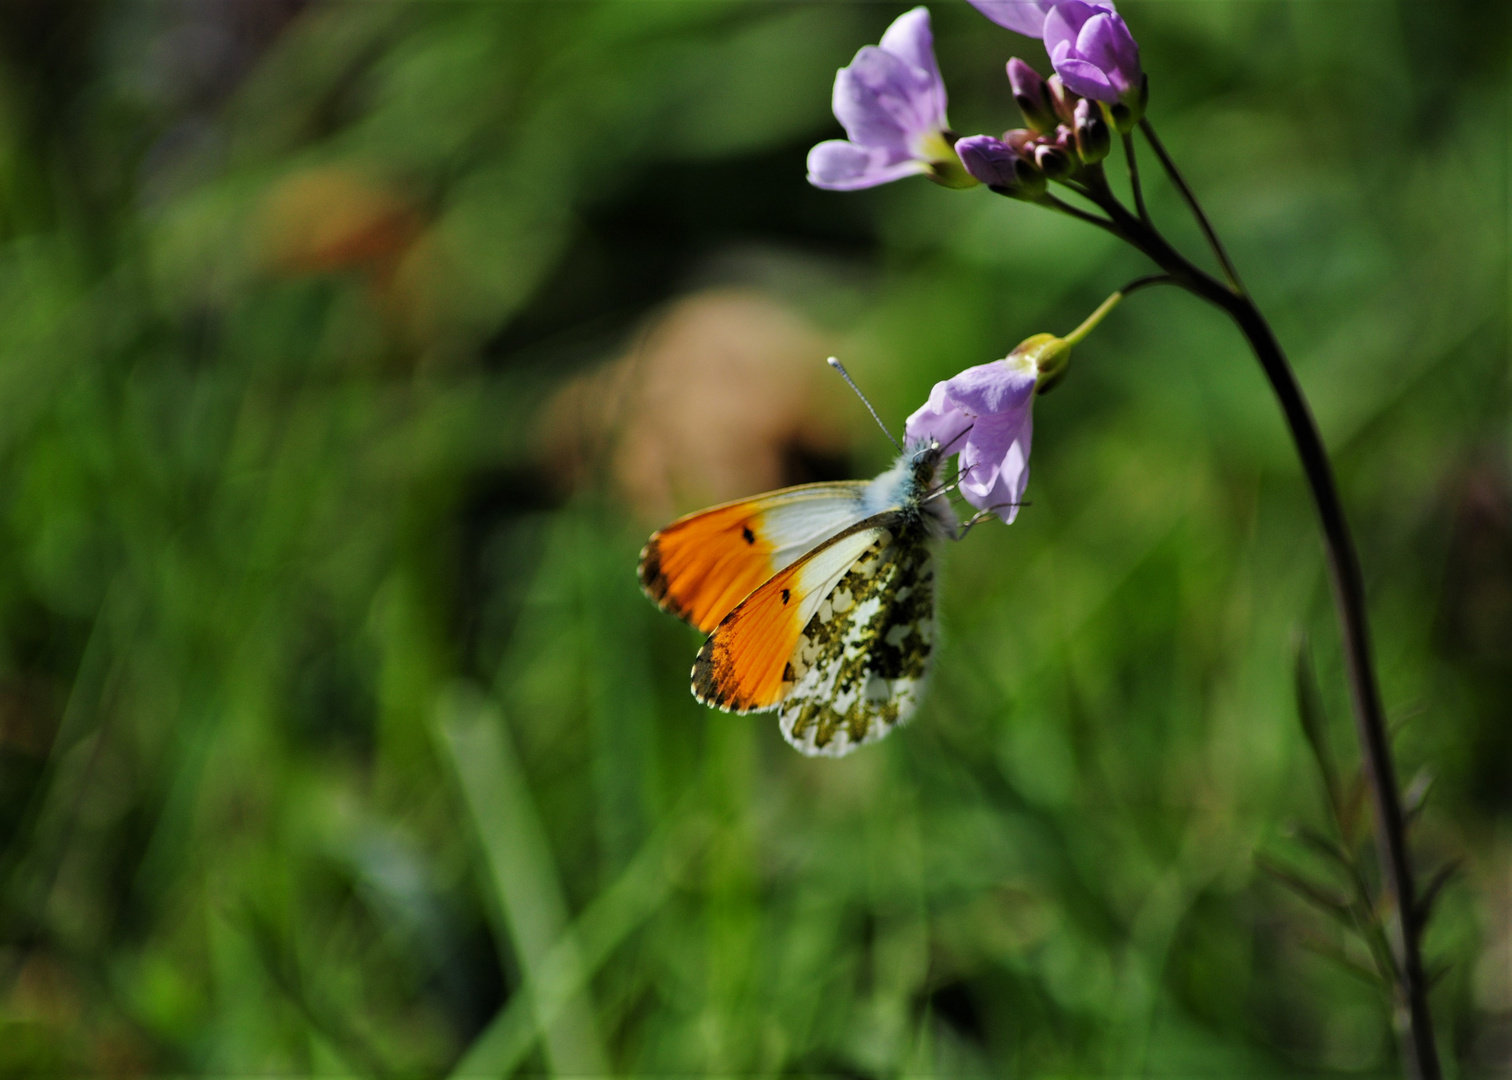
(1031, 95)
(1050, 356)
(1053, 161)
(1021, 140)
(1129, 110)
(1001, 167)
(1093, 137)
(1062, 100)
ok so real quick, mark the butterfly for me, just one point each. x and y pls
(819, 600)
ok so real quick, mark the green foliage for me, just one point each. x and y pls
(333, 739)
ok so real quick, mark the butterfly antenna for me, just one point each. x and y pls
(838, 366)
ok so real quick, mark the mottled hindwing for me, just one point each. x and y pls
(861, 659)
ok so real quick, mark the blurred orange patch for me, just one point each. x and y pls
(725, 394)
(336, 218)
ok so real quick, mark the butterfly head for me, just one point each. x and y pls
(923, 457)
(912, 485)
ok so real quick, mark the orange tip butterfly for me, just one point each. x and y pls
(819, 600)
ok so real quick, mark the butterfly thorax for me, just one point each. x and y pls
(911, 488)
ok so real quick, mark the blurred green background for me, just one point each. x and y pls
(349, 351)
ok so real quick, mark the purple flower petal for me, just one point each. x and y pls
(838, 165)
(992, 389)
(1105, 41)
(910, 39)
(1092, 50)
(984, 414)
(938, 419)
(1062, 22)
(1086, 79)
(882, 100)
(1006, 460)
(983, 452)
(891, 101)
(1021, 16)
(1025, 16)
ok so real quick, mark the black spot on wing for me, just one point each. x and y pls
(747, 534)
(786, 595)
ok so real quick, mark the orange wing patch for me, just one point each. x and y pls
(699, 568)
(744, 666)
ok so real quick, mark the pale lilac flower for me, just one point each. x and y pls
(984, 414)
(1093, 51)
(891, 102)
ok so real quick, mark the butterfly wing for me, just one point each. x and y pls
(747, 663)
(861, 659)
(701, 566)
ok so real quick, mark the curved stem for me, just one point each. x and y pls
(1348, 582)
(1369, 715)
(1146, 281)
(1077, 336)
(1090, 323)
(1191, 200)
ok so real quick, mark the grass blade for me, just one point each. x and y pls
(525, 885)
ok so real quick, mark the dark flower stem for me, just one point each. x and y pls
(1080, 215)
(1191, 200)
(1134, 184)
(1415, 1020)
(1145, 282)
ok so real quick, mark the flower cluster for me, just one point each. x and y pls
(891, 102)
(1089, 44)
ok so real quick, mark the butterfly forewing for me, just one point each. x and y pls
(861, 659)
(746, 665)
(701, 566)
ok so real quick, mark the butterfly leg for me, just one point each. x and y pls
(945, 489)
(983, 515)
